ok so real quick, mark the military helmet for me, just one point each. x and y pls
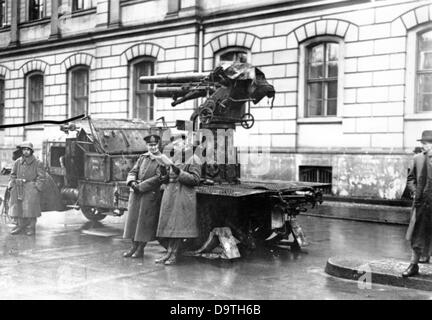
(27, 144)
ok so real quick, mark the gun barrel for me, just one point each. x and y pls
(176, 84)
(175, 78)
(168, 92)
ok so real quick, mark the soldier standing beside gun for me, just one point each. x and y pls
(178, 216)
(26, 183)
(144, 201)
(420, 227)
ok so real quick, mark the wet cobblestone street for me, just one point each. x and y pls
(71, 258)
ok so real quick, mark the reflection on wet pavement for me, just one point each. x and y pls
(72, 258)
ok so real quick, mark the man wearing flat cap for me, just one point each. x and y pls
(25, 185)
(144, 199)
(420, 227)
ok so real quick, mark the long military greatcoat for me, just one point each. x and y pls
(420, 183)
(30, 169)
(143, 207)
(178, 216)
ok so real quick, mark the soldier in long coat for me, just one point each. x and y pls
(144, 199)
(26, 184)
(178, 216)
(420, 184)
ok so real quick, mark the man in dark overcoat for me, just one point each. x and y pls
(407, 193)
(420, 184)
(178, 216)
(144, 199)
(26, 184)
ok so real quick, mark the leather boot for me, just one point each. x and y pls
(21, 226)
(17, 230)
(31, 231)
(412, 270)
(172, 259)
(165, 256)
(131, 251)
(31, 227)
(139, 253)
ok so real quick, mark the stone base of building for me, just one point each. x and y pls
(362, 212)
(360, 175)
(379, 176)
(384, 271)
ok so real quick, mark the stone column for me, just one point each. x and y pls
(55, 32)
(114, 14)
(14, 33)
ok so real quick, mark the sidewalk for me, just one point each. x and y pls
(381, 271)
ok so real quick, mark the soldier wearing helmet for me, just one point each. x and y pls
(25, 185)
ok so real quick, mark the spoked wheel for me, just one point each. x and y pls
(205, 115)
(93, 214)
(247, 121)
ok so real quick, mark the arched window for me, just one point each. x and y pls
(2, 100)
(424, 72)
(231, 55)
(35, 96)
(322, 65)
(79, 90)
(142, 93)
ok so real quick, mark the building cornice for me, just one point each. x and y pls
(101, 35)
(174, 23)
(275, 10)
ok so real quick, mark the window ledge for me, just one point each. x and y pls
(5, 28)
(131, 2)
(32, 23)
(79, 13)
(173, 14)
(419, 116)
(319, 120)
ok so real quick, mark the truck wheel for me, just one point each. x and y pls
(92, 214)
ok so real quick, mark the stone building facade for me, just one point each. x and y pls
(351, 77)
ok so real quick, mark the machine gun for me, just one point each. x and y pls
(226, 89)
